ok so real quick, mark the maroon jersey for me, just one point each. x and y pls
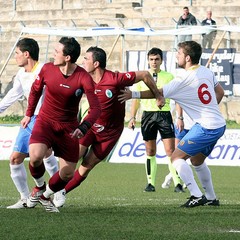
(107, 90)
(62, 95)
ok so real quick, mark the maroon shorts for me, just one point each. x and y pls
(102, 142)
(57, 135)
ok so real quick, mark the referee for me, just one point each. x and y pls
(155, 120)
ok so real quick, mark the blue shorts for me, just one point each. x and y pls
(24, 134)
(180, 135)
(200, 140)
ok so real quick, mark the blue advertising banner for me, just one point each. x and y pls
(222, 66)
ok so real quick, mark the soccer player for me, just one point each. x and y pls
(106, 131)
(57, 126)
(198, 93)
(155, 120)
(26, 56)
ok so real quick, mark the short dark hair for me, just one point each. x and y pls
(99, 55)
(71, 48)
(155, 51)
(186, 8)
(30, 45)
(193, 49)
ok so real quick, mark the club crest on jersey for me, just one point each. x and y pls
(64, 85)
(78, 92)
(108, 93)
(182, 143)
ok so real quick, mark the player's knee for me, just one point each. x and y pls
(16, 159)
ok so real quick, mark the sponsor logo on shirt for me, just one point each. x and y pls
(99, 126)
(97, 90)
(128, 75)
(63, 85)
(190, 142)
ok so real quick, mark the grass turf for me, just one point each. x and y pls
(111, 204)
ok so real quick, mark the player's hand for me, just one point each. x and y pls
(77, 133)
(126, 95)
(160, 102)
(132, 123)
(25, 121)
(180, 125)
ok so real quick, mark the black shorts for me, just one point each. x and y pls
(154, 122)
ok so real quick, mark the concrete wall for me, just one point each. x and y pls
(158, 14)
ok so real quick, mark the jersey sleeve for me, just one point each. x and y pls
(35, 93)
(125, 79)
(12, 96)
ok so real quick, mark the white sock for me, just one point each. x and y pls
(186, 174)
(48, 192)
(39, 181)
(19, 177)
(51, 164)
(205, 178)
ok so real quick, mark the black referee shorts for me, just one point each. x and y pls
(154, 122)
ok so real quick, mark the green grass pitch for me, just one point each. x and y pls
(111, 204)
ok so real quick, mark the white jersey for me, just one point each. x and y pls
(21, 87)
(194, 92)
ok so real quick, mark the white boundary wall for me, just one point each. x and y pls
(131, 149)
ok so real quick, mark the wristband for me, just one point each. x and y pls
(136, 94)
(181, 118)
(84, 127)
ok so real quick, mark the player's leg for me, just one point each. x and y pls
(17, 168)
(90, 160)
(186, 174)
(99, 150)
(169, 145)
(51, 165)
(19, 178)
(37, 152)
(149, 132)
(151, 165)
(204, 175)
(50, 162)
(197, 140)
(88, 163)
(56, 183)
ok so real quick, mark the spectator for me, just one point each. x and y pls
(185, 20)
(208, 38)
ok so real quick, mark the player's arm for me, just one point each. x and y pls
(128, 94)
(94, 108)
(12, 96)
(180, 120)
(219, 92)
(147, 78)
(134, 108)
(34, 96)
(94, 105)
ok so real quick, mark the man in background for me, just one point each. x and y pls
(187, 19)
(209, 38)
